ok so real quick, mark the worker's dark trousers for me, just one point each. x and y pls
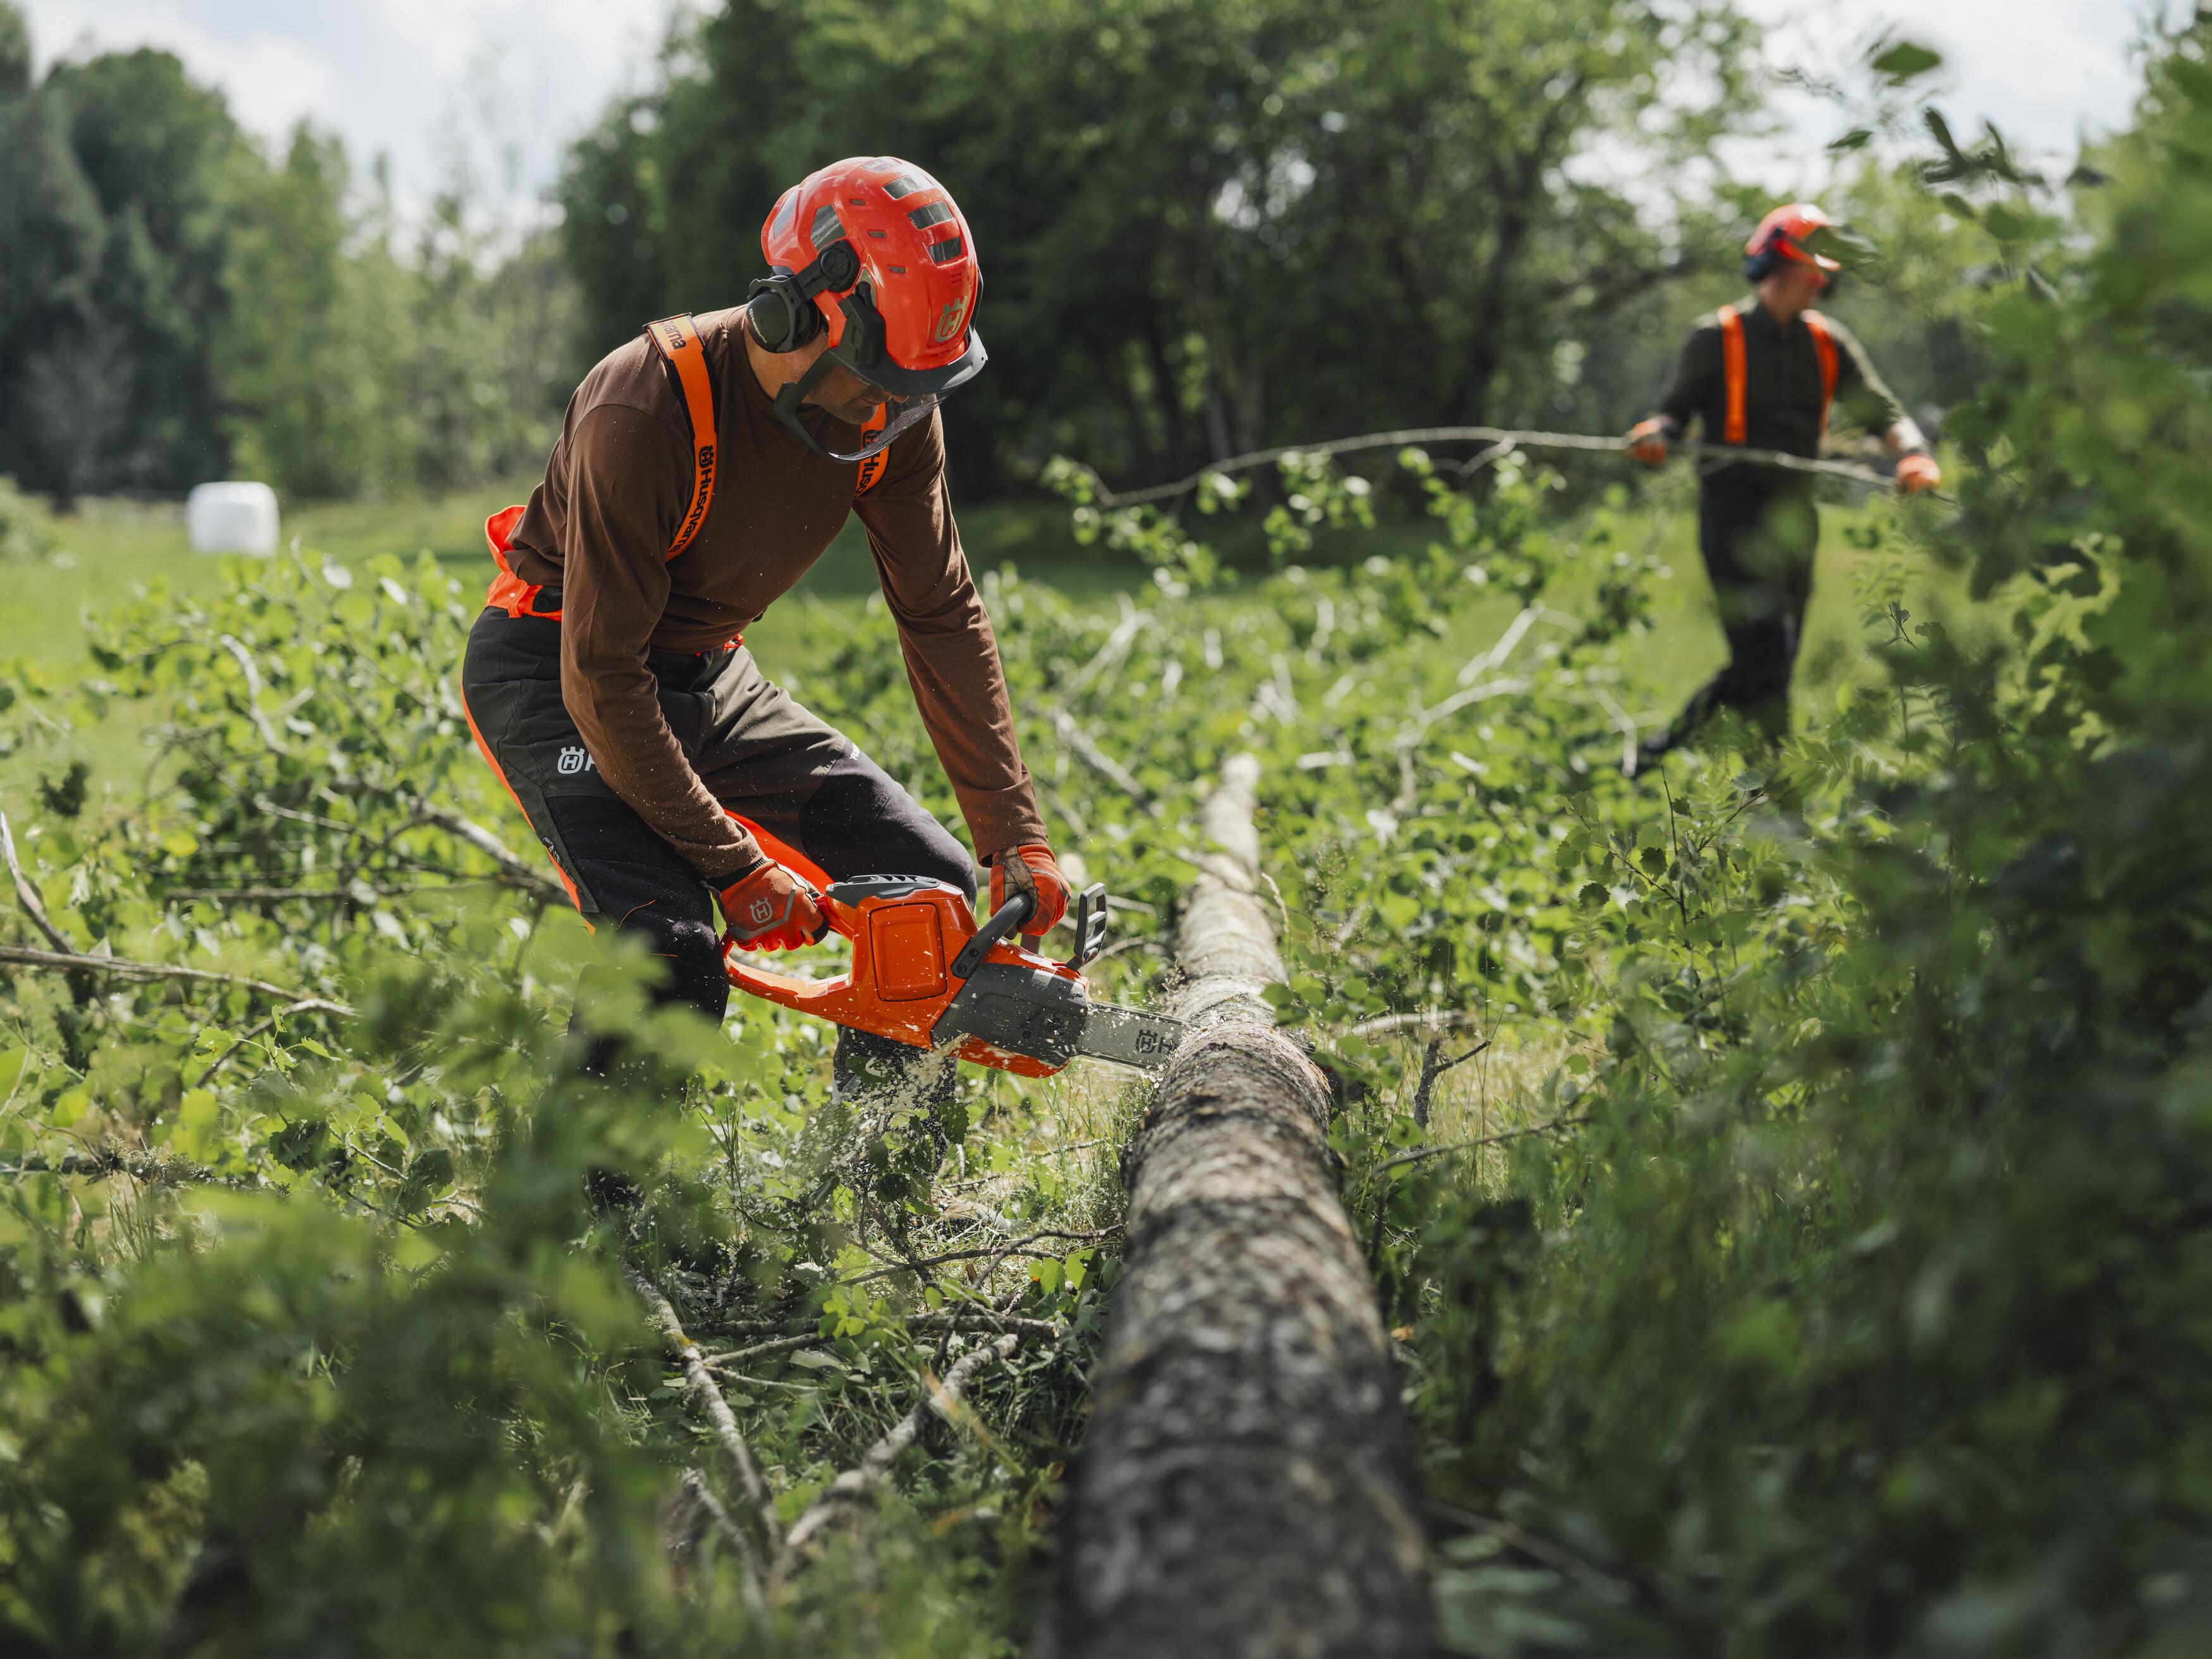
(1759, 534)
(756, 751)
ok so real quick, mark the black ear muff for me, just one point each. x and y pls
(781, 308)
(781, 316)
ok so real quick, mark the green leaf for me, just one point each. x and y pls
(1907, 61)
(1592, 896)
(430, 1172)
(1856, 139)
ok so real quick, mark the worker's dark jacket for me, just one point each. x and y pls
(1782, 386)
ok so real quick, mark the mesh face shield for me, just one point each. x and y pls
(861, 351)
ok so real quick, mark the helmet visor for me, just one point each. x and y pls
(903, 417)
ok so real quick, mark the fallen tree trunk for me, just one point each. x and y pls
(1247, 1488)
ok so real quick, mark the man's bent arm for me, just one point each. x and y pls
(952, 653)
(623, 506)
(1868, 399)
(1694, 371)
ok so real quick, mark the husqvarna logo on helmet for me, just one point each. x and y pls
(948, 321)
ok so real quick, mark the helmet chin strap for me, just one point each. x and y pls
(793, 393)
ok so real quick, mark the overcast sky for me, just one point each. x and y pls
(400, 75)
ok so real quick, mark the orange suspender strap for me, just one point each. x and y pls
(677, 339)
(1736, 430)
(1824, 347)
(872, 468)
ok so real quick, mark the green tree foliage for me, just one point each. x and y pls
(1864, 1317)
(178, 303)
(1205, 228)
(157, 151)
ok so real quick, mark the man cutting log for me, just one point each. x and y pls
(1765, 375)
(701, 470)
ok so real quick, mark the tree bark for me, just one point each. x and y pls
(1247, 1488)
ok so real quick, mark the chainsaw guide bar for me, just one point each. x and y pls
(923, 973)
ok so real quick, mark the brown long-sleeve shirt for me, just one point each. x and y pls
(599, 528)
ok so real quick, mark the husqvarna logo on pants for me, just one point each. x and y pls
(574, 759)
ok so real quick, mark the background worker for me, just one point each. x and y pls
(701, 470)
(1764, 374)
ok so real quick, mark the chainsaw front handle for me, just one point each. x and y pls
(1003, 922)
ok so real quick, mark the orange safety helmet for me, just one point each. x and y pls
(876, 253)
(1787, 233)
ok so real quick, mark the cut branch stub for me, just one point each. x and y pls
(1247, 1488)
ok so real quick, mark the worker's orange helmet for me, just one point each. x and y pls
(876, 253)
(1791, 231)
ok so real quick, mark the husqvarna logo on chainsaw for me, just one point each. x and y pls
(574, 759)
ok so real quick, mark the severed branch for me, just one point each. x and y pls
(954, 1319)
(230, 643)
(34, 906)
(1085, 749)
(855, 1485)
(694, 1488)
(122, 968)
(1434, 1065)
(155, 1168)
(1419, 1153)
(1009, 1248)
(524, 875)
(708, 1394)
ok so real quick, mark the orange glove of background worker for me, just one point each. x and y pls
(1647, 442)
(1031, 870)
(771, 909)
(1917, 472)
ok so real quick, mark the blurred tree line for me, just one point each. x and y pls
(180, 304)
(1207, 225)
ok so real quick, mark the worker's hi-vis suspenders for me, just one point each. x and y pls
(676, 339)
(1736, 430)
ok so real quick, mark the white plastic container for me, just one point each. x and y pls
(232, 518)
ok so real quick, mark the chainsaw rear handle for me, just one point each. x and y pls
(1003, 922)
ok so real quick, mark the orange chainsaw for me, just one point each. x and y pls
(924, 973)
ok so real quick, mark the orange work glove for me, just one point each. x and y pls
(771, 909)
(1647, 442)
(1031, 870)
(1917, 472)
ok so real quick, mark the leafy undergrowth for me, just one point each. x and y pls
(1787, 1177)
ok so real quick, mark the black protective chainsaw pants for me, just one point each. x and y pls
(760, 754)
(1759, 532)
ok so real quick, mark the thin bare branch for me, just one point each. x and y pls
(694, 1488)
(708, 1394)
(1011, 1248)
(122, 968)
(1848, 470)
(34, 906)
(1419, 1153)
(1086, 749)
(155, 1168)
(856, 1484)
